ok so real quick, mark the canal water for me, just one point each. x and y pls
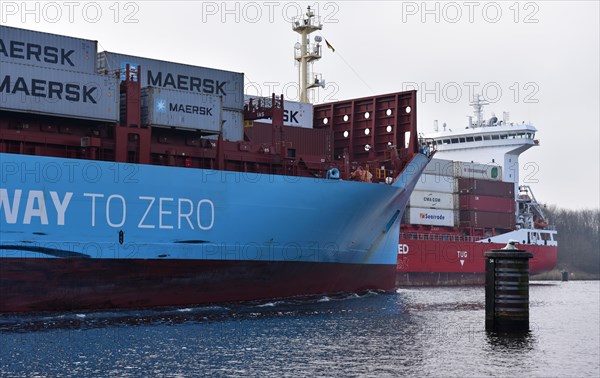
(433, 332)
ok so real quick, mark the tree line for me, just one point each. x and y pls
(578, 238)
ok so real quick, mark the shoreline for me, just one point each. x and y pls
(556, 275)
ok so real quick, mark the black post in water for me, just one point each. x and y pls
(565, 276)
(507, 290)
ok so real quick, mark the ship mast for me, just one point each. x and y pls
(306, 53)
(477, 105)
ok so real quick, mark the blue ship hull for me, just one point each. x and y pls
(79, 234)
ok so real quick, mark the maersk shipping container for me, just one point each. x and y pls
(178, 76)
(429, 199)
(172, 108)
(435, 183)
(295, 114)
(487, 219)
(431, 217)
(233, 125)
(39, 49)
(440, 167)
(478, 171)
(30, 89)
(486, 187)
(486, 203)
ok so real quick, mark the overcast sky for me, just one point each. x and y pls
(537, 60)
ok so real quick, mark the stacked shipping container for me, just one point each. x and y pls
(174, 80)
(486, 188)
(431, 217)
(456, 194)
(173, 108)
(39, 49)
(449, 168)
(51, 91)
(436, 183)
(433, 201)
(487, 203)
(56, 75)
(65, 77)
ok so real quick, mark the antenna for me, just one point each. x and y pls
(435, 126)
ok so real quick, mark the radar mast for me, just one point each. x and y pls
(306, 53)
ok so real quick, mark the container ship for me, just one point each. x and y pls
(469, 201)
(130, 182)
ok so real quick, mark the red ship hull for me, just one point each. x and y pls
(436, 262)
(74, 284)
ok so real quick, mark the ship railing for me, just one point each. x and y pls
(121, 74)
(256, 103)
(439, 237)
(307, 20)
(426, 146)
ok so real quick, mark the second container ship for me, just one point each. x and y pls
(469, 201)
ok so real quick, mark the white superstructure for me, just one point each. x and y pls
(496, 142)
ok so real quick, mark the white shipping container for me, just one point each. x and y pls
(478, 171)
(440, 167)
(30, 47)
(30, 89)
(432, 217)
(436, 183)
(435, 200)
(233, 125)
(183, 77)
(167, 107)
(295, 114)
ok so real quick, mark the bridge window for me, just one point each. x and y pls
(469, 139)
(454, 140)
(487, 137)
(495, 137)
(462, 140)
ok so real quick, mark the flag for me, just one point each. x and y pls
(329, 45)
